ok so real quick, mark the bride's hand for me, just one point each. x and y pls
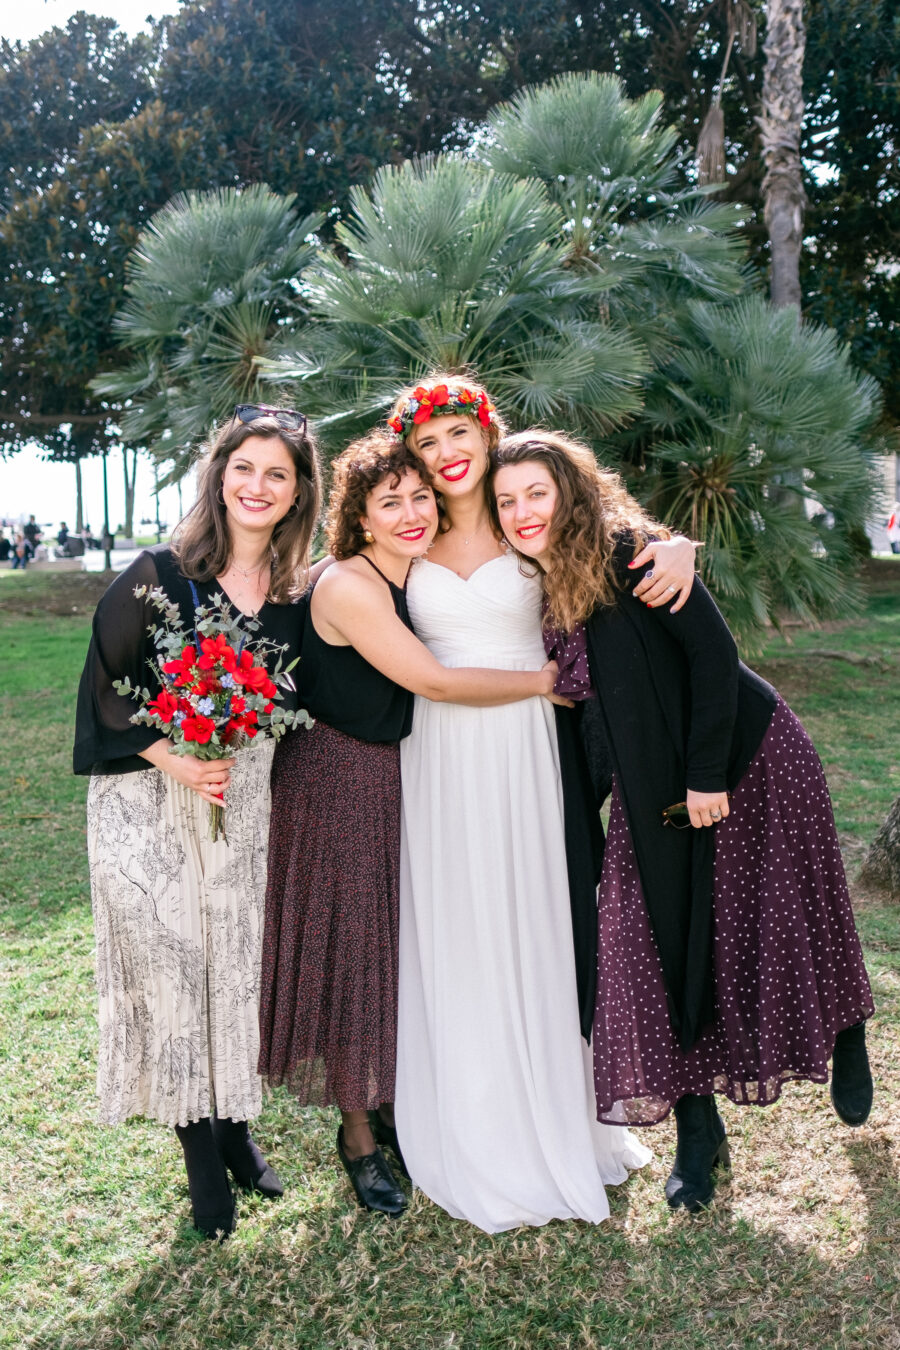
(551, 670)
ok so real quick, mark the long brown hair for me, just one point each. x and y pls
(202, 541)
(593, 512)
(354, 474)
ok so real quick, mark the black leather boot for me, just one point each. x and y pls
(385, 1136)
(243, 1159)
(851, 1077)
(373, 1181)
(702, 1147)
(212, 1202)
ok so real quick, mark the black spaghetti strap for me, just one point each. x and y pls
(379, 571)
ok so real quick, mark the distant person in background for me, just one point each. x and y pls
(22, 551)
(32, 533)
(88, 539)
(63, 535)
(5, 547)
(893, 528)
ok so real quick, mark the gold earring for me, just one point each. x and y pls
(368, 536)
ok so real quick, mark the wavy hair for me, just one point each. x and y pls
(201, 542)
(354, 474)
(593, 513)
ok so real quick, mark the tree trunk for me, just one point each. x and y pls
(130, 480)
(79, 499)
(781, 122)
(882, 864)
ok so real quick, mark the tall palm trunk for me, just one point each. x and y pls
(79, 499)
(780, 123)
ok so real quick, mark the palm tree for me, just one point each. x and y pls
(781, 122)
(749, 437)
(451, 266)
(758, 422)
(211, 280)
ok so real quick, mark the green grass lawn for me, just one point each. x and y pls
(96, 1249)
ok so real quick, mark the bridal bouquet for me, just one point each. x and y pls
(219, 686)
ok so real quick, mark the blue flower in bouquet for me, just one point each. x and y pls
(206, 706)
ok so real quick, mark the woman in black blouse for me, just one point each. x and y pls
(178, 917)
(328, 1011)
(728, 956)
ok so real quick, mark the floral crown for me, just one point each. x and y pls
(440, 398)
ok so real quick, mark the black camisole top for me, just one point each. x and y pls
(339, 687)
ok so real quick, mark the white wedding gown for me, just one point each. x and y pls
(495, 1103)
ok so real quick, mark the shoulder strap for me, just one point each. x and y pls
(378, 570)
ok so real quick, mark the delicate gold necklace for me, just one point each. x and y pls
(253, 571)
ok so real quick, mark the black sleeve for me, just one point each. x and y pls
(712, 660)
(105, 738)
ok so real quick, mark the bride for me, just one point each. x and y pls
(495, 1105)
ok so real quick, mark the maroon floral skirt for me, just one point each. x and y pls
(328, 1008)
(789, 971)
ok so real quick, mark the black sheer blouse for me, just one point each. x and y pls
(105, 740)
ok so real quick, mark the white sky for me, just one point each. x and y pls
(24, 19)
(30, 486)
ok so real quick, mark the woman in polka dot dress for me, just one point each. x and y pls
(728, 956)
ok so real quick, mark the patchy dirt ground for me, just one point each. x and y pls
(38, 593)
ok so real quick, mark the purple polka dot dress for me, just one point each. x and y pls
(788, 966)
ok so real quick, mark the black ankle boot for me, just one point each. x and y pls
(212, 1202)
(243, 1159)
(702, 1147)
(373, 1181)
(385, 1136)
(851, 1077)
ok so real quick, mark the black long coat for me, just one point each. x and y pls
(678, 710)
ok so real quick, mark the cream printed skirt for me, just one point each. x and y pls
(178, 923)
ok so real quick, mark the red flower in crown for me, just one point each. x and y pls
(485, 409)
(423, 403)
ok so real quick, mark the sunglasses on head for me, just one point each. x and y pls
(288, 418)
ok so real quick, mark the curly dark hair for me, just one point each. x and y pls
(201, 542)
(354, 474)
(593, 512)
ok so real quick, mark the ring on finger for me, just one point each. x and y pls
(648, 575)
(671, 588)
(716, 815)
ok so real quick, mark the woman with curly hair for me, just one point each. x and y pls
(329, 1002)
(494, 1106)
(728, 956)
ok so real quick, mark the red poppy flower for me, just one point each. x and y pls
(238, 704)
(214, 650)
(198, 728)
(396, 425)
(440, 395)
(182, 667)
(165, 705)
